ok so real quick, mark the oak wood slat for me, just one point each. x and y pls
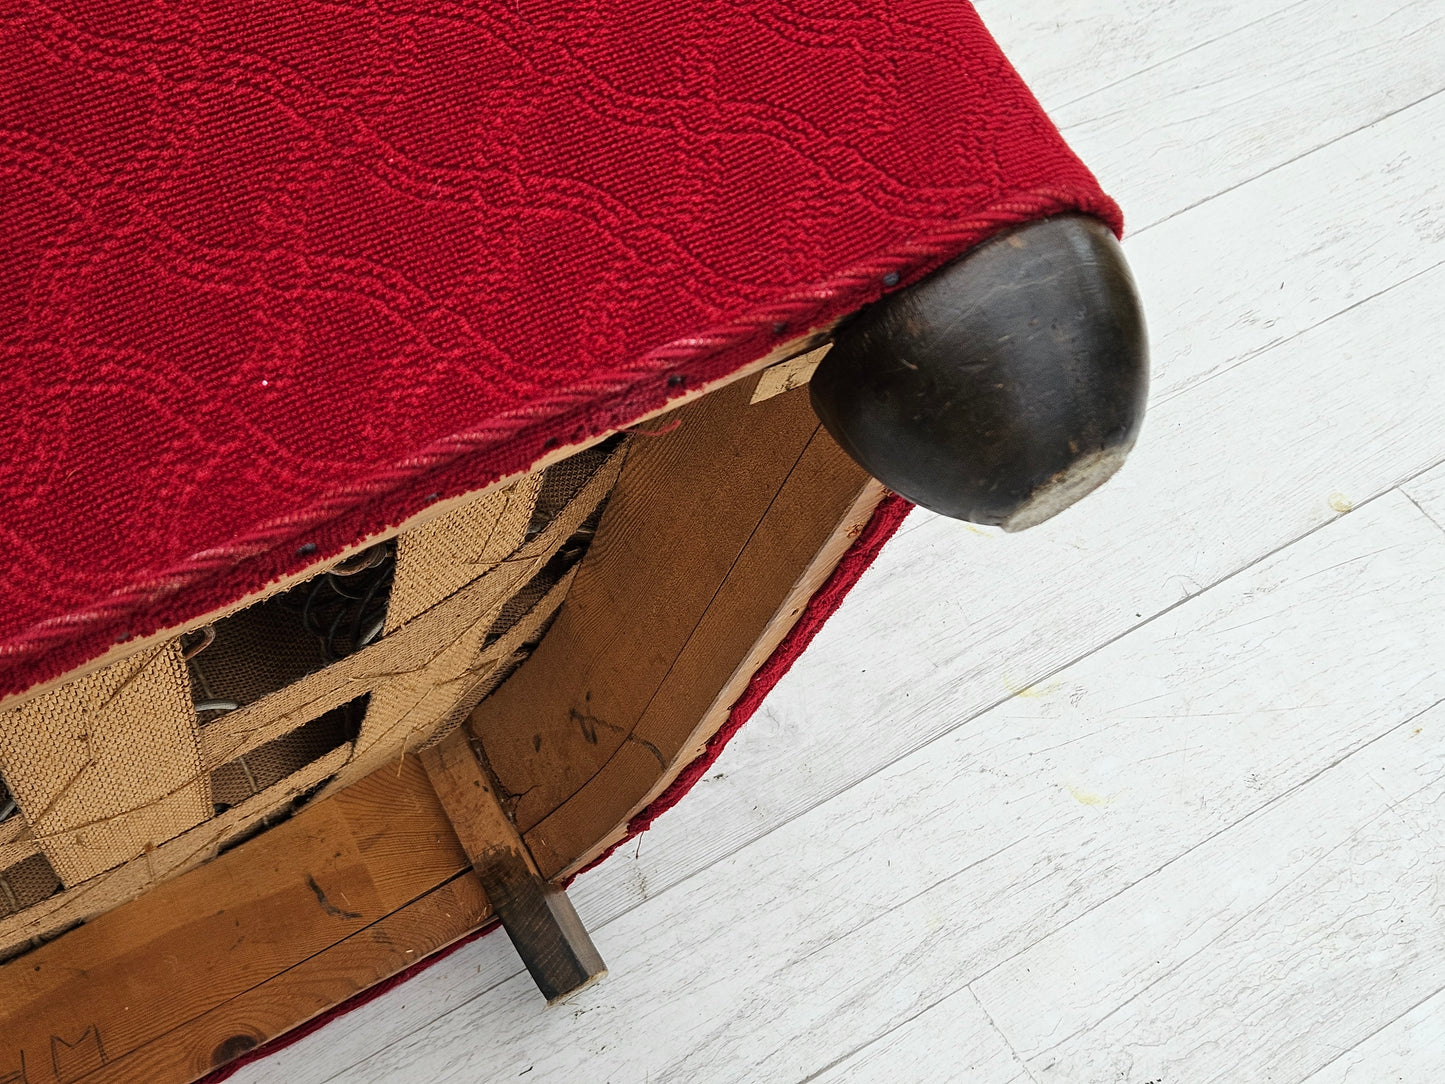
(312, 986)
(823, 507)
(193, 943)
(715, 537)
(682, 510)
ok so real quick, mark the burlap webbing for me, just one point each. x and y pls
(439, 558)
(563, 480)
(190, 849)
(407, 710)
(263, 647)
(409, 715)
(403, 654)
(397, 656)
(108, 766)
(235, 781)
(126, 799)
(498, 660)
(25, 884)
(12, 828)
(17, 843)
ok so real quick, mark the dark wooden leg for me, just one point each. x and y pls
(1003, 387)
(537, 915)
(543, 925)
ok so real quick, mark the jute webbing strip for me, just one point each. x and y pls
(25, 884)
(16, 847)
(405, 652)
(261, 648)
(438, 559)
(408, 710)
(190, 849)
(496, 662)
(109, 766)
(244, 777)
(12, 828)
(407, 713)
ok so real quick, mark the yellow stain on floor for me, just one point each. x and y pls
(1340, 503)
(1085, 796)
(1031, 692)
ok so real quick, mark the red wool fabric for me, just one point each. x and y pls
(278, 275)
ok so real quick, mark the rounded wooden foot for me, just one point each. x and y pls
(1003, 387)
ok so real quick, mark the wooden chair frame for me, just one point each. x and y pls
(719, 531)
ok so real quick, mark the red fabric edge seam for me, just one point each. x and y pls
(848, 289)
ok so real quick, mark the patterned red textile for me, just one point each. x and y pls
(276, 275)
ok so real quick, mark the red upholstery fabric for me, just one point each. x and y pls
(279, 275)
(276, 275)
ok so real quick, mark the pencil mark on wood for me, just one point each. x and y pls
(18, 1076)
(654, 750)
(588, 725)
(326, 905)
(68, 1060)
(71, 1061)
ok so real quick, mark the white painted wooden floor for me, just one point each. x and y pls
(1154, 792)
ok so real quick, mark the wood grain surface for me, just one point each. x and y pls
(538, 917)
(715, 537)
(202, 945)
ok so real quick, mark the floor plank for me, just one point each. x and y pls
(1065, 52)
(1264, 266)
(1428, 491)
(952, 1042)
(985, 842)
(1253, 100)
(1275, 946)
(1408, 1050)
